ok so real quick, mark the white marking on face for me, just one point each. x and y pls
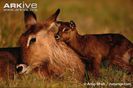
(58, 24)
(51, 25)
(63, 29)
(29, 39)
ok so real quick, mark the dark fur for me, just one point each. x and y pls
(96, 47)
(9, 57)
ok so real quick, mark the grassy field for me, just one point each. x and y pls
(90, 16)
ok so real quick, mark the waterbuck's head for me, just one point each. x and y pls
(35, 40)
(65, 30)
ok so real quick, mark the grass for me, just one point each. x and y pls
(107, 76)
(90, 16)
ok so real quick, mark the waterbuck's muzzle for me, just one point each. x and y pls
(21, 68)
(25, 69)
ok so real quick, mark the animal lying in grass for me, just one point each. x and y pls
(96, 47)
(42, 54)
(9, 58)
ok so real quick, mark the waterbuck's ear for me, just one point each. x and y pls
(72, 24)
(29, 18)
(52, 19)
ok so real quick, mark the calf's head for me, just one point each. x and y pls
(34, 41)
(65, 30)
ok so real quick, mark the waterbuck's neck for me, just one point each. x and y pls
(75, 42)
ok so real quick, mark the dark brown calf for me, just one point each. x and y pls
(97, 47)
(9, 57)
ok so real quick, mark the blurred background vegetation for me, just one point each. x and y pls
(90, 16)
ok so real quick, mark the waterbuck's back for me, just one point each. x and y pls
(113, 39)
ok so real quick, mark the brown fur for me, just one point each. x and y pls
(97, 47)
(9, 57)
(44, 55)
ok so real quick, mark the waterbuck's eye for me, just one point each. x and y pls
(32, 41)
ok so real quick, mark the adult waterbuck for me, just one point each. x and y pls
(42, 54)
(96, 47)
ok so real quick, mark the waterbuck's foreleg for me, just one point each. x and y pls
(131, 54)
(96, 66)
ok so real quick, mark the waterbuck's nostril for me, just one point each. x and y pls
(57, 37)
(19, 69)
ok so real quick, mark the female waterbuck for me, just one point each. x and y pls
(42, 54)
(96, 47)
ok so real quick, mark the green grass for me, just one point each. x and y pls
(90, 16)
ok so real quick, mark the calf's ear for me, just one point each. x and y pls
(72, 23)
(29, 18)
